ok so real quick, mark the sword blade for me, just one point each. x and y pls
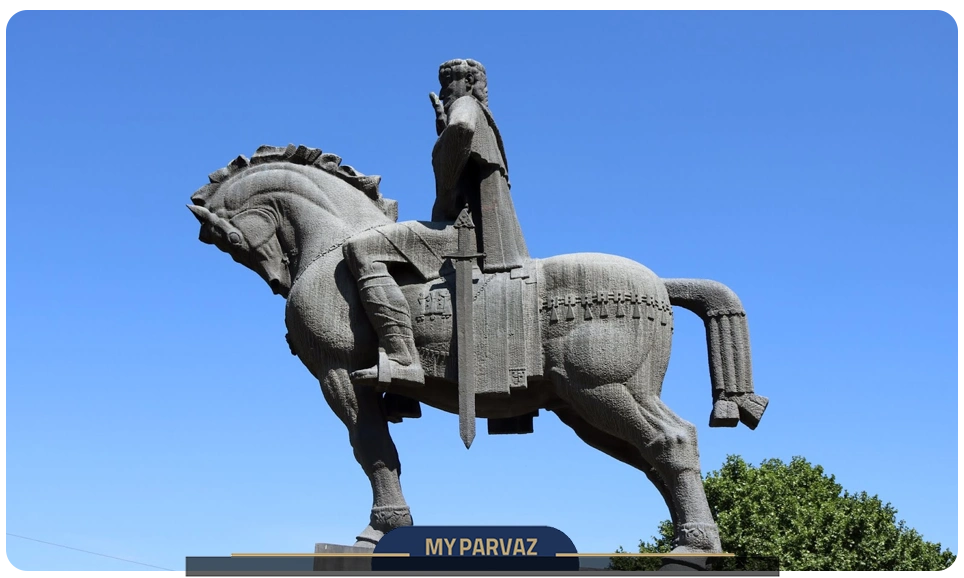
(465, 342)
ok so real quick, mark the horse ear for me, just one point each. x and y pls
(203, 215)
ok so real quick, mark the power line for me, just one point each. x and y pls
(89, 552)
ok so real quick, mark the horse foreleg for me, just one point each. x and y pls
(360, 409)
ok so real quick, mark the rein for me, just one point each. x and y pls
(329, 250)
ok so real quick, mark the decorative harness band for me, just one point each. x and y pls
(329, 250)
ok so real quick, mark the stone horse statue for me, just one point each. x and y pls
(586, 336)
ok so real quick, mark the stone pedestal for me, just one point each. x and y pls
(352, 562)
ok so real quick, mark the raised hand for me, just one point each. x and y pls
(440, 118)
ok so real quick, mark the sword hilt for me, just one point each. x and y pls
(464, 220)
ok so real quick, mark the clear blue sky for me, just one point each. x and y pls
(807, 160)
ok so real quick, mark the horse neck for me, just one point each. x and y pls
(319, 224)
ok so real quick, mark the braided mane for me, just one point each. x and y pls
(306, 156)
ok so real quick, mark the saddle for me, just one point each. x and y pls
(506, 326)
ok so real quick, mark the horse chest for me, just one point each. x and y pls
(324, 315)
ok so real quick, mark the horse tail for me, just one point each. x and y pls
(728, 345)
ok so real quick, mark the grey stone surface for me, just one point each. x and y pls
(385, 318)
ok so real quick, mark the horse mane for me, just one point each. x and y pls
(305, 156)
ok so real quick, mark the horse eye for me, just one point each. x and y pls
(234, 238)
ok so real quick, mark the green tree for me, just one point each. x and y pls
(802, 517)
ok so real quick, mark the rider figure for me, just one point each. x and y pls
(470, 169)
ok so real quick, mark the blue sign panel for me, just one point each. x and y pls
(462, 548)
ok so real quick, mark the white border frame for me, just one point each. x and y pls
(5, 570)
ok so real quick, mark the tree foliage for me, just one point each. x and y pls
(802, 517)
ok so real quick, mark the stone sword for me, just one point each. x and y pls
(464, 323)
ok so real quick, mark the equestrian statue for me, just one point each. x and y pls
(455, 314)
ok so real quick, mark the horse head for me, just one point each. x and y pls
(250, 238)
(275, 212)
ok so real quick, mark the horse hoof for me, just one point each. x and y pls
(368, 538)
(364, 544)
(752, 407)
(725, 414)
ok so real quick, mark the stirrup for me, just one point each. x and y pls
(388, 371)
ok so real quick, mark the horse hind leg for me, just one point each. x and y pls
(630, 412)
(616, 448)
(360, 409)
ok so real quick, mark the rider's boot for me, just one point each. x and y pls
(388, 311)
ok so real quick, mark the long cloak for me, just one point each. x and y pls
(482, 182)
